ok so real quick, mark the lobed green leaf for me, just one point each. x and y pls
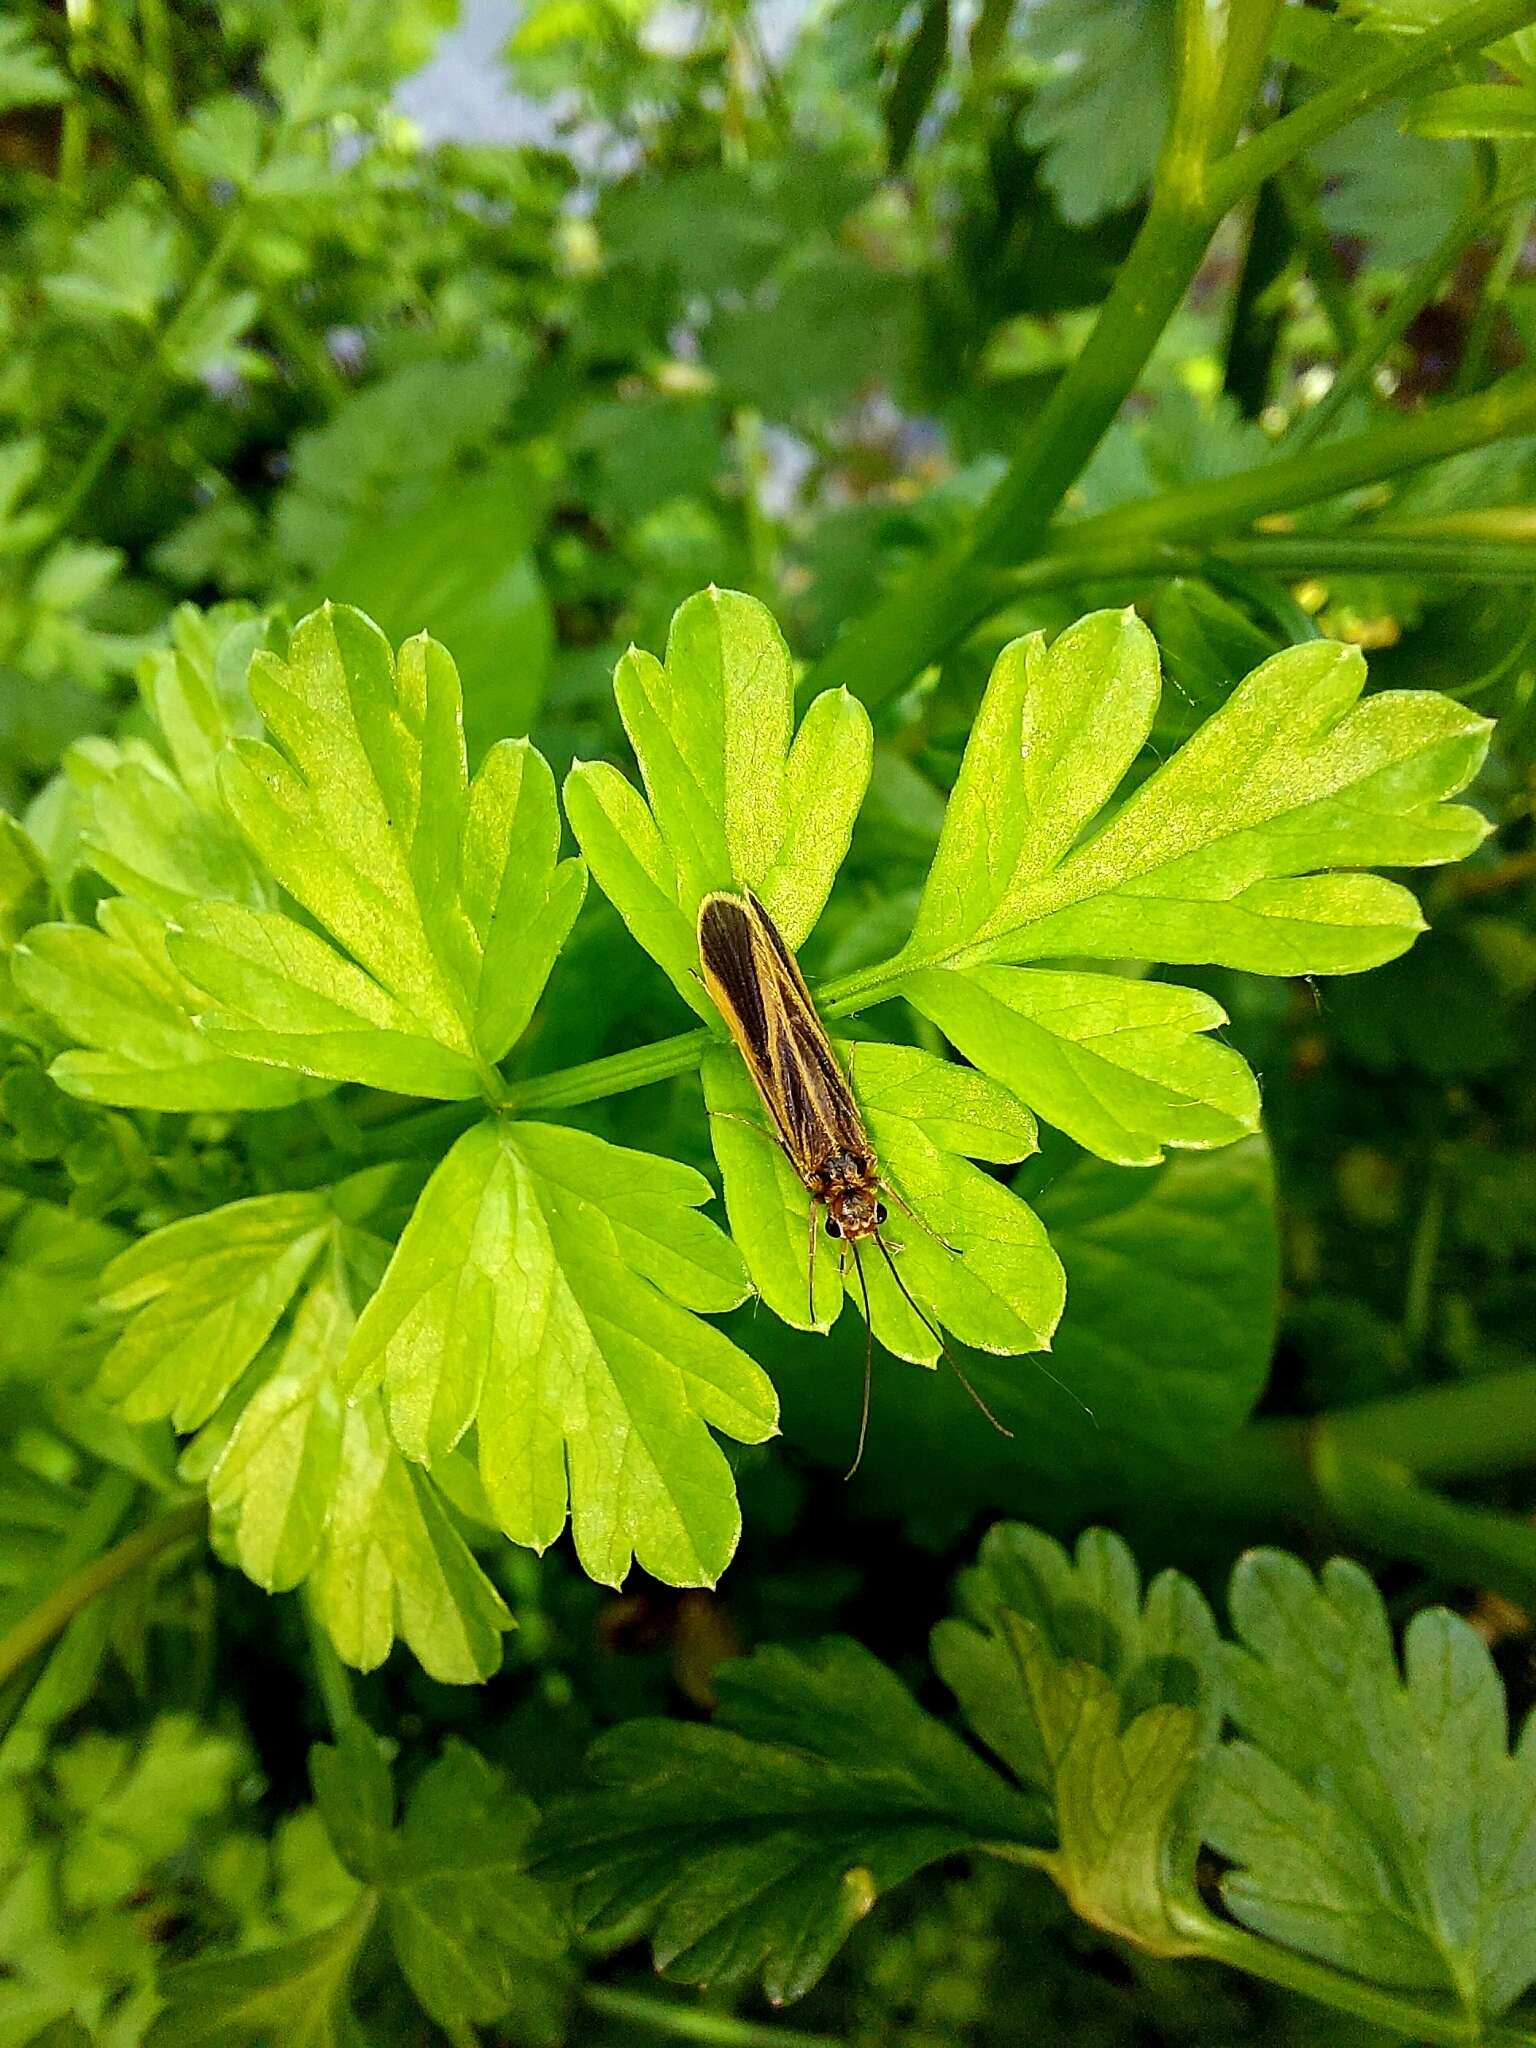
(736, 797)
(118, 993)
(974, 1256)
(446, 897)
(550, 1284)
(753, 1846)
(1376, 1818)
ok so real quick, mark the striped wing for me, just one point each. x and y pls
(760, 992)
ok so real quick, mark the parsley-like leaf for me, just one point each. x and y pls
(737, 797)
(306, 1489)
(1102, 1703)
(1218, 856)
(551, 1282)
(1100, 140)
(1226, 854)
(927, 1118)
(446, 896)
(204, 1295)
(118, 994)
(296, 1992)
(476, 1936)
(1376, 1817)
(753, 1847)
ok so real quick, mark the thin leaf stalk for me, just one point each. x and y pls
(681, 2022)
(1214, 507)
(1417, 291)
(1337, 105)
(1416, 2016)
(1496, 284)
(53, 1614)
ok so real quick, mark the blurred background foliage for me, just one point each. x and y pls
(522, 329)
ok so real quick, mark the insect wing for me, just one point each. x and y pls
(759, 990)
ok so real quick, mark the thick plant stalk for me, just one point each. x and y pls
(1200, 178)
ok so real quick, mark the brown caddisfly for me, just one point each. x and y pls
(759, 990)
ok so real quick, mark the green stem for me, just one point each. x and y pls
(54, 1613)
(1214, 507)
(1402, 2013)
(986, 39)
(1466, 30)
(1491, 300)
(1467, 1431)
(1361, 1470)
(1417, 291)
(696, 2022)
(1380, 550)
(882, 651)
(917, 624)
(331, 1675)
(614, 1075)
(91, 1531)
(1250, 30)
(1381, 1505)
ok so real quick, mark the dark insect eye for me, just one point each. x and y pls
(834, 1228)
(879, 1212)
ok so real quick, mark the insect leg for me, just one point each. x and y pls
(869, 1355)
(938, 1337)
(810, 1262)
(901, 1202)
(732, 1116)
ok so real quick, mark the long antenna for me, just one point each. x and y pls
(869, 1354)
(938, 1337)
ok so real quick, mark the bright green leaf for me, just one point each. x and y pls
(117, 992)
(306, 1489)
(972, 1254)
(204, 1295)
(134, 1807)
(196, 692)
(1117, 1064)
(1215, 856)
(737, 798)
(550, 1281)
(1087, 1608)
(123, 263)
(147, 836)
(446, 896)
(275, 1481)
